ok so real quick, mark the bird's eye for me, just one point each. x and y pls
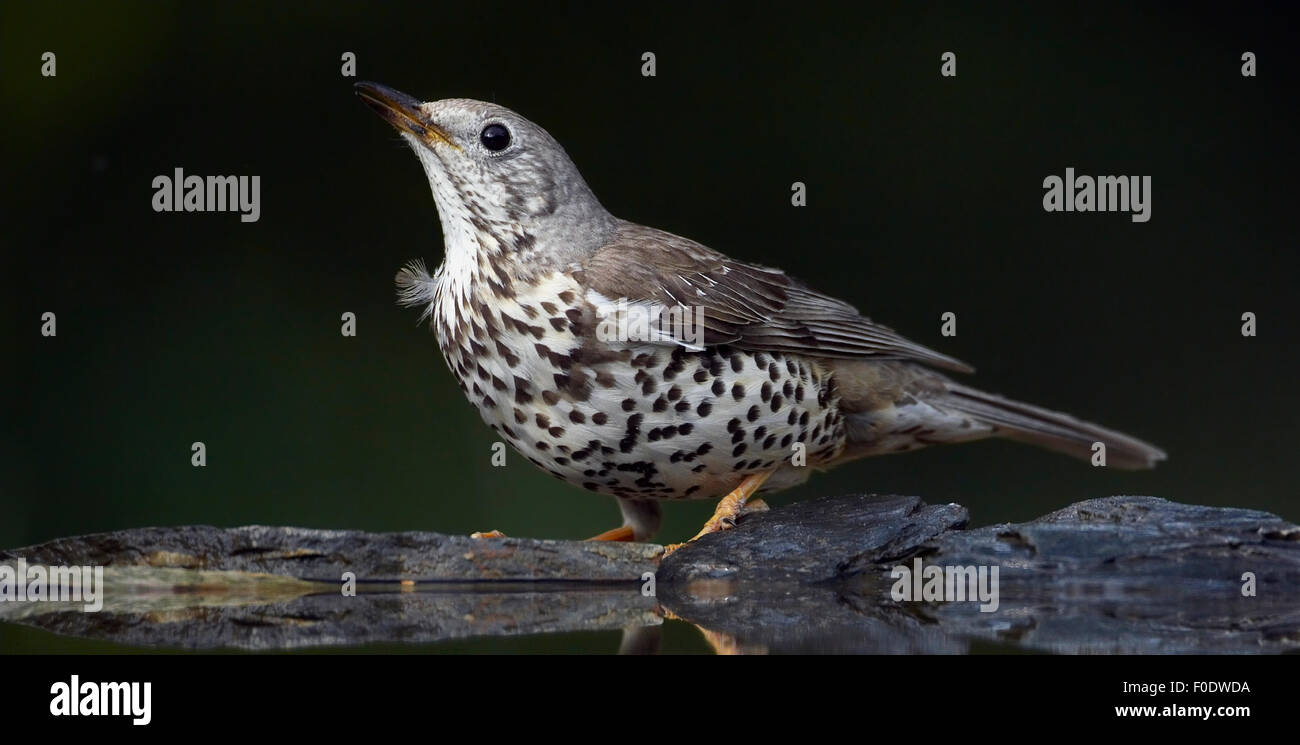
(495, 137)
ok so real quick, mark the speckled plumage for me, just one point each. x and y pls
(633, 420)
(533, 262)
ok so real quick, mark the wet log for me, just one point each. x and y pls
(1113, 575)
(1121, 574)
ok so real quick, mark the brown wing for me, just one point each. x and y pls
(746, 305)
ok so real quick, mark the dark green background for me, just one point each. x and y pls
(924, 196)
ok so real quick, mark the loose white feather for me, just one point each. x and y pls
(416, 288)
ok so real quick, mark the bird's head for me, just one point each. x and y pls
(494, 173)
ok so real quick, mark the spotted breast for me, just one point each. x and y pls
(632, 420)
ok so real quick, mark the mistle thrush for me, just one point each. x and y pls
(742, 379)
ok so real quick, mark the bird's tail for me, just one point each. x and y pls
(1047, 429)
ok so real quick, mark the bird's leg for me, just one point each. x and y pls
(621, 533)
(641, 518)
(726, 644)
(729, 509)
(733, 505)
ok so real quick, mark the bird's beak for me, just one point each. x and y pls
(403, 112)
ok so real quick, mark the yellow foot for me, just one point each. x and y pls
(622, 533)
(732, 506)
(730, 509)
(487, 534)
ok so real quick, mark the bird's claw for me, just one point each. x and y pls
(730, 520)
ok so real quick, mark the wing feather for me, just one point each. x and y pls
(746, 305)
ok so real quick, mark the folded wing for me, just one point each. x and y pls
(744, 305)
